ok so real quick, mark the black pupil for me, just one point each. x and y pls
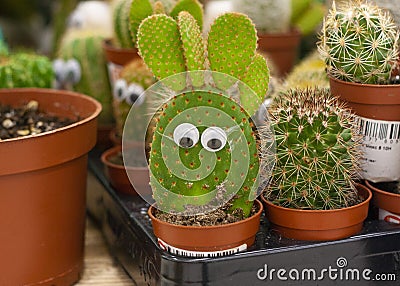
(120, 92)
(133, 97)
(214, 144)
(186, 142)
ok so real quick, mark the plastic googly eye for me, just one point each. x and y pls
(73, 71)
(213, 139)
(120, 88)
(186, 135)
(133, 93)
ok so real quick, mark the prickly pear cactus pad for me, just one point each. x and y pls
(317, 151)
(205, 148)
(359, 43)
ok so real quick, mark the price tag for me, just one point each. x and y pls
(381, 149)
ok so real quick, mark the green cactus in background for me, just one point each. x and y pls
(317, 151)
(192, 161)
(26, 70)
(128, 14)
(269, 16)
(86, 48)
(359, 43)
(135, 78)
(3, 45)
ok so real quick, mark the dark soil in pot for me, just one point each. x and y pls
(27, 120)
(390, 187)
(219, 216)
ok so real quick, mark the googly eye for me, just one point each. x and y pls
(213, 139)
(186, 135)
(133, 94)
(58, 67)
(120, 88)
(72, 71)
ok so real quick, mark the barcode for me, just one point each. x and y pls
(379, 129)
(200, 254)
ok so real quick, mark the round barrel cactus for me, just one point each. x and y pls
(317, 155)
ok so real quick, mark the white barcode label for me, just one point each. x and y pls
(199, 254)
(381, 149)
(389, 217)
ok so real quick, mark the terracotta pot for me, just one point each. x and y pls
(43, 190)
(117, 58)
(118, 177)
(282, 49)
(379, 102)
(319, 225)
(208, 238)
(385, 200)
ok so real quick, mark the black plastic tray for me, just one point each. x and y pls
(129, 235)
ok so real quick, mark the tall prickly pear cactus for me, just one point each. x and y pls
(269, 16)
(204, 147)
(359, 43)
(86, 48)
(26, 70)
(317, 153)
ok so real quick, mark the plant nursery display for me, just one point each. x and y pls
(204, 161)
(359, 43)
(312, 194)
(45, 137)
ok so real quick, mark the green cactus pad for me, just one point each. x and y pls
(191, 6)
(139, 10)
(160, 46)
(257, 78)
(317, 153)
(181, 177)
(193, 45)
(232, 43)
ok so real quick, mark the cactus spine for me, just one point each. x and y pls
(392, 7)
(86, 48)
(317, 151)
(359, 43)
(26, 70)
(229, 55)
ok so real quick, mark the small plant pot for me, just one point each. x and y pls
(239, 235)
(379, 102)
(43, 191)
(118, 177)
(319, 225)
(387, 202)
(281, 49)
(117, 58)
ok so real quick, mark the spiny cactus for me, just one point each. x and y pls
(86, 48)
(204, 147)
(317, 151)
(269, 16)
(26, 70)
(226, 51)
(128, 14)
(134, 79)
(392, 7)
(359, 43)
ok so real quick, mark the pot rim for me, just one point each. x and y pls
(375, 189)
(365, 201)
(107, 45)
(113, 151)
(195, 227)
(293, 32)
(49, 91)
(365, 85)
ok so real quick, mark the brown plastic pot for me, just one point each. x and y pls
(208, 238)
(281, 49)
(119, 56)
(379, 102)
(43, 190)
(385, 200)
(118, 177)
(319, 225)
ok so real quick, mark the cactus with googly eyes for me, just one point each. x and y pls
(359, 43)
(81, 66)
(134, 79)
(26, 70)
(317, 151)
